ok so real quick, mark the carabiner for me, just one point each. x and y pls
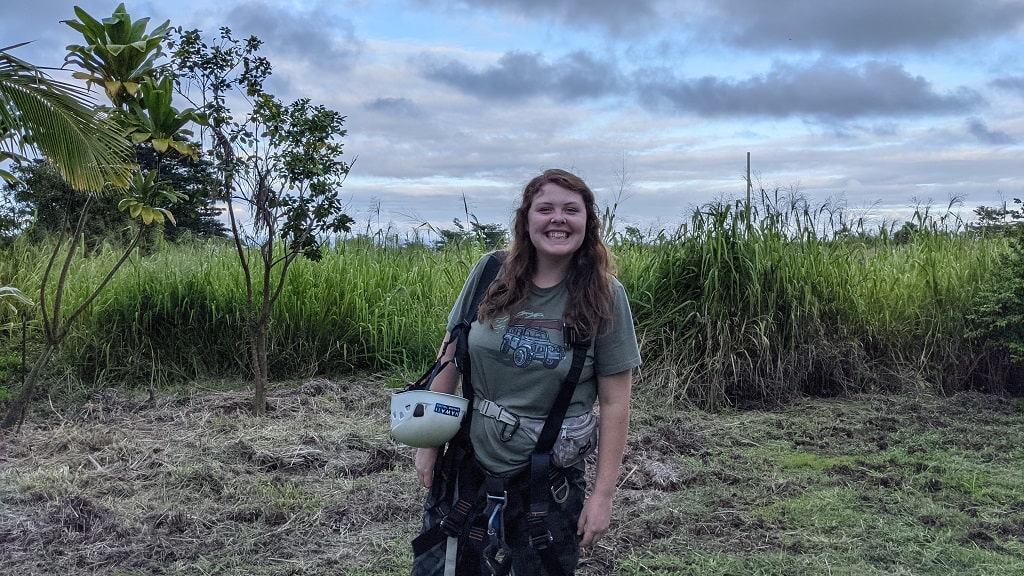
(505, 435)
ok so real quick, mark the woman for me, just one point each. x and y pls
(556, 274)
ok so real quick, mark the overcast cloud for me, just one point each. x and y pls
(881, 103)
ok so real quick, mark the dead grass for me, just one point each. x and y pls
(127, 485)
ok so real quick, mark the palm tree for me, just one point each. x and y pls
(59, 121)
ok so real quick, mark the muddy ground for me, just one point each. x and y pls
(133, 484)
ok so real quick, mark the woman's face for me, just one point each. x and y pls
(557, 222)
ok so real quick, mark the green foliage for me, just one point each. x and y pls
(752, 304)
(144, 195)
(997, 318)
(302, 206)
(195, 213)
(281, 163)
(118, 53)
(49, 207)
(152, 118)
(734, 309)
(361, 307)
(59, 121)
(486, 237)
(10, 298)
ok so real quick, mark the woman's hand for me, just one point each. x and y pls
(594, 520)
(425, 459)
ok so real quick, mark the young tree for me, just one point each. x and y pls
(281, 163)
(116, 40)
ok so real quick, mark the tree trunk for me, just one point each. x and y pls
(16, 412)
(262, 378)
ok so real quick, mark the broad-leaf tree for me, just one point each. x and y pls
(120, 56)
(152, 118)
(281, 163)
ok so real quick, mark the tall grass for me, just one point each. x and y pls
(742, 304)
(179, 315)
(761, 302)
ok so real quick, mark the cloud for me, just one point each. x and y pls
(865, 26)
(315, 37)
(615, 17)
(403, 107)
(524, 75)
(1010, 84)
(977, 128)
(824, 89)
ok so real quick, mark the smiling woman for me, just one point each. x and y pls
(554, 334)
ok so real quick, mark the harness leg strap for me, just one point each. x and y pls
(536, 521)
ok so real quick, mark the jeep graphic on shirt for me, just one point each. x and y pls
(529, 341)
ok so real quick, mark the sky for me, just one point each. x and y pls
(877, 106)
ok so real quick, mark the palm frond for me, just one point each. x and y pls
(60, 121)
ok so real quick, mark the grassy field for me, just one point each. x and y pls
(191, 484)
(728, 313)
(813, 400)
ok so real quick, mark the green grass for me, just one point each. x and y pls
(904, 485)
(738, 307)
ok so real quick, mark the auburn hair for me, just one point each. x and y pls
(588, 281)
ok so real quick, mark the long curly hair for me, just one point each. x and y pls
(589, 278)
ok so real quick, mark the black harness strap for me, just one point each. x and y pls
(540, 464)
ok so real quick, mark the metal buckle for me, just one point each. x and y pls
(494, 523)
(497, 554)
(560, 493)
(541, 541)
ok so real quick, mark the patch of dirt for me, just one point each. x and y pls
(142, 484)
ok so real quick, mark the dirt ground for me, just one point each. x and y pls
(136, 484)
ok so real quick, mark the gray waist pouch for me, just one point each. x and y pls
(576, 440)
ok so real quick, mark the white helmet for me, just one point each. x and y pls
(425, 419)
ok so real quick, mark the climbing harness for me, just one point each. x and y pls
(481, 519)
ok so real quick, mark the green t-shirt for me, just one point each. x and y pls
(521, 363)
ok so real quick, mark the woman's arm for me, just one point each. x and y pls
(614, 395)
(447, 380)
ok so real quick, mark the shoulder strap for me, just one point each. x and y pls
(487, 276)
(540, 462)
(549, 433)
(460, 332)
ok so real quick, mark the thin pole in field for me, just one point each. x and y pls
(748, 179)
(749, 186)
